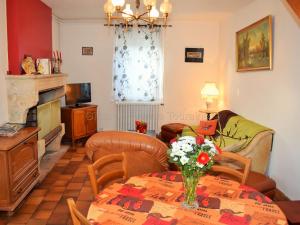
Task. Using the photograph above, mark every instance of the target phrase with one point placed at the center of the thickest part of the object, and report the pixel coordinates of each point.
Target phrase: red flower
(203, 158)
(199, 140)
(218, 149)
(173, 140)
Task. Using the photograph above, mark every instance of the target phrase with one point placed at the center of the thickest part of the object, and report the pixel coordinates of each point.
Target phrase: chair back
(240, 174)
(77, 217)
(94, 170)
(107, 142)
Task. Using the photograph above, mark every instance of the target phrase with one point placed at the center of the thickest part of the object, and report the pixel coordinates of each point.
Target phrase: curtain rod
(139, 25)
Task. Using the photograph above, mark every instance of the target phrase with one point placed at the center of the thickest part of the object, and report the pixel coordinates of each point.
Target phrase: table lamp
(209, 92)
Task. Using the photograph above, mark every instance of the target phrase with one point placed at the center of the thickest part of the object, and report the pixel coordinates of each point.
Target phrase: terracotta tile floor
(46, 204)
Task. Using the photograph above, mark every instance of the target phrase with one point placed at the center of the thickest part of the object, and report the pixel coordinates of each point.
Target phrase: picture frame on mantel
(194, 55)
(254, 46)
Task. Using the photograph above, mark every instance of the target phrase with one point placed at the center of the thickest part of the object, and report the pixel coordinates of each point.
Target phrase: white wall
(55, 33)
(271, 97)
(3, 63)
(183, 81)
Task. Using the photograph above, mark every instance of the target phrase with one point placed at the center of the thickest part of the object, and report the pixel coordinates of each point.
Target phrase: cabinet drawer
(24, 184)
(22, 159)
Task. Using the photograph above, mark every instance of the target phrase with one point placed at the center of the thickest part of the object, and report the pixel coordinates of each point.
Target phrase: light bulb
(109, 7)
(118, 3)
(166, 7)
(154, 13)
(128, 11)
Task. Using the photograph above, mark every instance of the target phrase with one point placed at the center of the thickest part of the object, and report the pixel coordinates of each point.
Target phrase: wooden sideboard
(80, 122)
(19, 171)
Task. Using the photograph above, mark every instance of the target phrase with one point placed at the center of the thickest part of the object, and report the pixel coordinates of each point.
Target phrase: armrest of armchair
(259, 150)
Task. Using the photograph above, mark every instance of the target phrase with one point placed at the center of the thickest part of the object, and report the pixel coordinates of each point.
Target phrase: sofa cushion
(207, 127)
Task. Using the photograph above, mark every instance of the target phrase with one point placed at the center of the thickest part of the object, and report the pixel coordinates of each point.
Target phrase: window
(138, 65)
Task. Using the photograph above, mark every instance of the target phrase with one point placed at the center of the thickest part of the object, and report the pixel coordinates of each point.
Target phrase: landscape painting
(254, 46)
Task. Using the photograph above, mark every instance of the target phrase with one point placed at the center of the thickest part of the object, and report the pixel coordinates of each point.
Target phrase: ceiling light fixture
(117, 15)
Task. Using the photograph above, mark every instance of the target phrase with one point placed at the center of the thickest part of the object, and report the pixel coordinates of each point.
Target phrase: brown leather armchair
(147, 154)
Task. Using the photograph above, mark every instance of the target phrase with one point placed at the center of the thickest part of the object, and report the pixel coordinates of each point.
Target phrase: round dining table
(156, 199)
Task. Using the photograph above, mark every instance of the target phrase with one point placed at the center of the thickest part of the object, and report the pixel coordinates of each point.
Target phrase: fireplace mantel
(23, 92)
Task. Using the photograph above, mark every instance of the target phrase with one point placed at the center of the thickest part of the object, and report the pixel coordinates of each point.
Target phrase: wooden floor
(46, 204)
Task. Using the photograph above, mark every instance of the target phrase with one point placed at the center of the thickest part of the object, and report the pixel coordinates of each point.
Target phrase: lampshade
(210, 90)
(166, 7)
(154, 13)
(118, 3)
(109, 7)
(128, 11)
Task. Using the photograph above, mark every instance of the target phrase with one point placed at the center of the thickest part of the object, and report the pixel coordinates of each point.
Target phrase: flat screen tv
(77, 94)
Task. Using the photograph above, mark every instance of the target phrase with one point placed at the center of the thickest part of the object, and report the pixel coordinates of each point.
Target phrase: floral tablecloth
(155, 199)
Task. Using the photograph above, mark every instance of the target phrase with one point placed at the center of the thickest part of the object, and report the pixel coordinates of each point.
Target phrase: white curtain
(138, 65)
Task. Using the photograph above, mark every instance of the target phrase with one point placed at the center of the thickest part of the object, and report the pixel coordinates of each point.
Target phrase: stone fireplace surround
(26, 92)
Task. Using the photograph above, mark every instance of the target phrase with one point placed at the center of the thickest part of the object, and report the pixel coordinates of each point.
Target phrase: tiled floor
(46, 204)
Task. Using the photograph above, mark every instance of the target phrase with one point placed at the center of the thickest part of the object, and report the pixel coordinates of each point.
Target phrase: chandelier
(117, 14)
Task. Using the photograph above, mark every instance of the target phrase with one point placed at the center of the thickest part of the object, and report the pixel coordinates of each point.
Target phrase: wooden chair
(77, 217)
(103, 179)
(240, 174)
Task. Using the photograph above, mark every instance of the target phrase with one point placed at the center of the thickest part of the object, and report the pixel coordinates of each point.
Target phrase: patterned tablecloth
(156, 199)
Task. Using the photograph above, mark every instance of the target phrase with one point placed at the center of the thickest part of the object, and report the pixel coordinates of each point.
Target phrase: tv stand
(80, 122)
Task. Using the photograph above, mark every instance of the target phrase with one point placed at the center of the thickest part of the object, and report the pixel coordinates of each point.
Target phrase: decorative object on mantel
(57, 61)
(125, 16)
(43, 66)
(209, 92)
(195, 55)
(254, 46)
(87, 51)
(28, 65)
(194, 156)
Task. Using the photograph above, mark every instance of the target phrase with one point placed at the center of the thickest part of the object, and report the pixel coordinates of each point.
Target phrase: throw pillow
(207, 127)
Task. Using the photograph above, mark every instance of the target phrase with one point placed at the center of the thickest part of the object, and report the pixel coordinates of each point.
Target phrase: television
(77, 94)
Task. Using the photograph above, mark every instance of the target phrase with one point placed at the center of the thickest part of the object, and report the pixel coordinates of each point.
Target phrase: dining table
(156, 199)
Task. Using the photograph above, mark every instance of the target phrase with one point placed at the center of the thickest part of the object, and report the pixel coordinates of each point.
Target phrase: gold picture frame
(254, 46)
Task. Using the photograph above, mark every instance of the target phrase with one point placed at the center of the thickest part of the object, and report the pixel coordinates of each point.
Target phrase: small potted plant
(141, 126)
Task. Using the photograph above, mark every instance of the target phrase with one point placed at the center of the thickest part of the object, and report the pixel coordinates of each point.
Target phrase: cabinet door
(91, 120)
(79, 124)
(22, 159)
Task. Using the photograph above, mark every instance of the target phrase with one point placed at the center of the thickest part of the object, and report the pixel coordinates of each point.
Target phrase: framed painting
(194, 55)
(87, 51)
(254, 46)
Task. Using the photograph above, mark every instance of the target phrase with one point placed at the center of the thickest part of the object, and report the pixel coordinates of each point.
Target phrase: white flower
(200, 165)
(175, 158)
(187, 148)
(184, 160)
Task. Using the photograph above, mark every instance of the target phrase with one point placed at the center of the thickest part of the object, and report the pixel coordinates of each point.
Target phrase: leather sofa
(148, 154)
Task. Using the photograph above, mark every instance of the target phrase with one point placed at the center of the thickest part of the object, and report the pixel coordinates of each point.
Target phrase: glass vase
(190, 182)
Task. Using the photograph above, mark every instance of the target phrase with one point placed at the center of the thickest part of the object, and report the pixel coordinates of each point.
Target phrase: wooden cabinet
(18, 167)
(80, 122)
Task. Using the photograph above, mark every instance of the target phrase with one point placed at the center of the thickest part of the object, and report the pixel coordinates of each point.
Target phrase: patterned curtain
(138, 65)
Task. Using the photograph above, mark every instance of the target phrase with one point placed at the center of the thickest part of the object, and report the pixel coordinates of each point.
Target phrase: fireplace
(34, 100)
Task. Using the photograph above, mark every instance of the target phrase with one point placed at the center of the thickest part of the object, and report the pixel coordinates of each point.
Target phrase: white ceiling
(93, 9)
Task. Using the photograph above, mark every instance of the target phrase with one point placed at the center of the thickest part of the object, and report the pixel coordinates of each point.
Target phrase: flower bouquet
(194, 156)
(141, 126)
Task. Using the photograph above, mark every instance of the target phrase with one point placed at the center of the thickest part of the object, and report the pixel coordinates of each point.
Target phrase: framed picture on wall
(194, 55)
(254, 46)
(87, 50)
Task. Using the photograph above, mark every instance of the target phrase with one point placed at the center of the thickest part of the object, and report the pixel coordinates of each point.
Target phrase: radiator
(128, 113)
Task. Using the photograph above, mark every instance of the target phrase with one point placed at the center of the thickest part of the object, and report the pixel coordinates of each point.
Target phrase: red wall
(29, 31)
